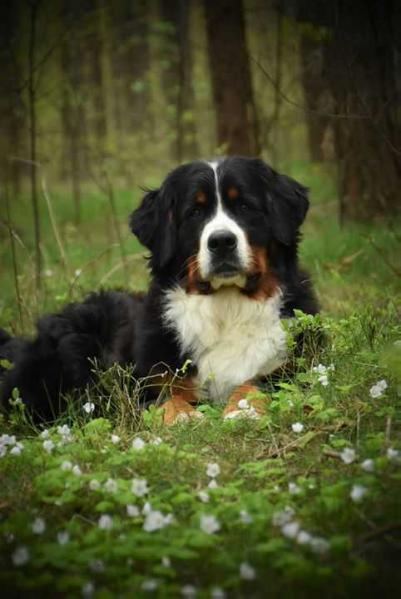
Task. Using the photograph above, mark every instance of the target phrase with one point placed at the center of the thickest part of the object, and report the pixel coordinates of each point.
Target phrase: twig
(14, 259)
(54, 224)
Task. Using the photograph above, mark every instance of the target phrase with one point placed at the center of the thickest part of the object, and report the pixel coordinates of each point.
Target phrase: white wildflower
(157, 441)
(166, 561)
(246, 571)
(393, 454)
(115, 439)
(156, 520)
(94, 485)
(245, 517)
(149, 585)
(217, 593)
(76, 470)
(304, 537)
(88, 589)
(110, 485)
(209, 524)
(147, 508)
(213, 470)
(293, 489)
(105, 522)
(17, 449)
(323, 380)
(65, 433)
(138, 443)
(7, 439)
(20, 556)
(45, 434)
(243, 404)
(358, 492)
(78, 272)
(66, 465)
(3, 451)
(378, 389)
(132, 510)
(38, 526)
(63, 537)
(368, 465)
(203, 496)
(96, 565)
(48, 445)
(139, 487)
(348, 455)
(297, 427)
(290, 530)
(284, 516)
(319, 545)
(213, 484)
(89, 407)
(188, 591)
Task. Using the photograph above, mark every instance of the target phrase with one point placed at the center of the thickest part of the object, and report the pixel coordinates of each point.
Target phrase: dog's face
(216, 224)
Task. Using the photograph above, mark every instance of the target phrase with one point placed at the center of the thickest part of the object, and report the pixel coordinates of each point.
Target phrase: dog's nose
(221, 242)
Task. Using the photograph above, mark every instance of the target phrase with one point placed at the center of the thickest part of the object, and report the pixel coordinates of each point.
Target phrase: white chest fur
(230, 337)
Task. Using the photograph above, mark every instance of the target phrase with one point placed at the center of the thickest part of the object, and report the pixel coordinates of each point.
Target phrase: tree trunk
(231, 78)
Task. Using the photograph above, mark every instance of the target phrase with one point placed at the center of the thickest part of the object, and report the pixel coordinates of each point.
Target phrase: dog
(223, 240)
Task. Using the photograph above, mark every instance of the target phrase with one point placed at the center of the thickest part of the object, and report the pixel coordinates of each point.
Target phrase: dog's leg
(242, 404)
(180, 406)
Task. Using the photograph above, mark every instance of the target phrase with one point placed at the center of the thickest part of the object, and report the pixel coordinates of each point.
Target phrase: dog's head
(220, 223)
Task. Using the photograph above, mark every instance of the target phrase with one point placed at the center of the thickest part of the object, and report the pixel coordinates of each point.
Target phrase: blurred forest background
(99, 98)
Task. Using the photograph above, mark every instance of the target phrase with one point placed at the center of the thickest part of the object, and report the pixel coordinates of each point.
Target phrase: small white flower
(38, 526)
(213, 484)
(393, 454)
(65, 432)
(48, 445)
(149, 585)
(88, 589)
(3, 451)
(323, 380)
(156, 520)
(358, 492)
(157, 441)
(348, 455)
(138, 443)
(132, 510)
(209, 524)
(304, 537)
(66, 465)
(76, 470)
(297, 427)
(188, 591)
(293, 489)
(245, 517)
(94, 485)
(213, 470)
(63, 537)
(78, 272)
(110, 485)
(368, 465)
(89, 407)
(243, 404)
(105, 522)
(247, 572)
(166, 561)
(45, 434)
(147, 508)
(217, 593)
(378, 389)
(7, 439)
(17, 449)
(283, 517)
(319, 545)
(290, 530)
(20, 556)
(139, 487)
(96, 565)
(115, 439)
(204, 497)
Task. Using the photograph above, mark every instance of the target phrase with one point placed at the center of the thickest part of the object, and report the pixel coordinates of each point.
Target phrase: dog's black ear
(153, 223)
(288, 205)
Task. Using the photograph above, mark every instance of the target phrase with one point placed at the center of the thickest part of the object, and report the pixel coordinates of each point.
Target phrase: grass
(51, 511)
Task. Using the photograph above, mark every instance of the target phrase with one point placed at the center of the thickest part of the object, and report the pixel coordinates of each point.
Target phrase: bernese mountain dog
(223, 239)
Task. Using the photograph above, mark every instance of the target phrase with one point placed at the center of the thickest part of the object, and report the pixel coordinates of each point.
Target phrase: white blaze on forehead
(221, 221)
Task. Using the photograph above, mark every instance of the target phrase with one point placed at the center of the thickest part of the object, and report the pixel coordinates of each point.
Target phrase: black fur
(112, 326)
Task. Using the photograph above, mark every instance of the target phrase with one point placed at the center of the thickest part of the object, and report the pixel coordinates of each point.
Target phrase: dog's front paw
(178, 410)
(241, 405)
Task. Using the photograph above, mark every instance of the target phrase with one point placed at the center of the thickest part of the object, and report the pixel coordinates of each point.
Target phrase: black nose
(221, 242)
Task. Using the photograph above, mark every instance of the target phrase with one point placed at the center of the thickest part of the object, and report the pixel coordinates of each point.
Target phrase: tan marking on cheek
(201, 197)
(232, 193)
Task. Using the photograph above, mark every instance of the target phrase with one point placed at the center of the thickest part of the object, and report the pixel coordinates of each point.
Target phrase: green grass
(260, 462)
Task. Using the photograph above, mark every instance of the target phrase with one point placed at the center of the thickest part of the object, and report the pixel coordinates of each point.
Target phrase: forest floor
(304, 502)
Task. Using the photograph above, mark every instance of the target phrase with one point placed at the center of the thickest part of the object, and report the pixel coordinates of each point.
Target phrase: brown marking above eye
(200, 197)
(232, 193)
